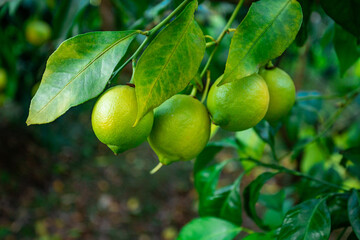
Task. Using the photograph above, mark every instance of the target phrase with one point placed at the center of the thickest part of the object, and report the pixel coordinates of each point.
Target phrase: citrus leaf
(336, 205)
(264, 34)
(354, 212)
(207, 179)
(209, 228)
(251, 196)
(346, 48)
(231, 207)
(308, 220)
(170, 61)
(76, 72)
(344, 13)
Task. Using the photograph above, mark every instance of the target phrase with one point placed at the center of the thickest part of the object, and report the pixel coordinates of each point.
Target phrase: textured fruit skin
(113, 117)
(181, 129)
(282, 93)
(240, 104)
(3, 79)
(37, 32)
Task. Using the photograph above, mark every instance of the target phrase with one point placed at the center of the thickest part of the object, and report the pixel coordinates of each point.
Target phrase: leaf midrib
(84, 69)
(311, 216)
(259, 37)
(166, 63)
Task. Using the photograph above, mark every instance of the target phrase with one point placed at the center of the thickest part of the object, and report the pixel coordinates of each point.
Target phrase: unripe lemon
(282, 93)
(37, 32)
(113, 117)
(240, 104)
(181, 129)
(3, 78)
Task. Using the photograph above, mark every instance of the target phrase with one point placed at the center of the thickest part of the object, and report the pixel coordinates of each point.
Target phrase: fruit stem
(221, 36)
(193, 91)
(157, 168)
(206, 87)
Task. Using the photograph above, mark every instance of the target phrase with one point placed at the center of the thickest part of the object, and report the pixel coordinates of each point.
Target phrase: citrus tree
(172, 102)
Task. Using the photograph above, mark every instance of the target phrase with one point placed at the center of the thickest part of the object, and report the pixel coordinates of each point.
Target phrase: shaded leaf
(308, 220)
(336, 205)
(207, 179)
(76, 72)
(354, 212)
(251, 196)
(231, 209)
(209, 228)
(344, 13)
(346, 48)
(303, 32)
(267, 30)
(210, 151)
(169, 62)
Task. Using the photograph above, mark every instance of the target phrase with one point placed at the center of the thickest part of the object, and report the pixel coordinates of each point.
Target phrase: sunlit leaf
(76, 72)
(209, 228)
(170, 62)
(264, 34)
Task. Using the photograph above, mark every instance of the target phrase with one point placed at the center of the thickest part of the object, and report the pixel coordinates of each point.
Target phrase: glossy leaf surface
(76, 72)
(264, 34)
(170, 61)
(354, 212)
(306, 221)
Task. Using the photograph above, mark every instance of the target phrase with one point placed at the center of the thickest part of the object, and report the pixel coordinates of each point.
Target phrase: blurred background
(57, 181)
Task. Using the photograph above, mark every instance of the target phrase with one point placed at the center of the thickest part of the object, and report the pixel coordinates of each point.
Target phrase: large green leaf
(345, 13)
(207, 179)
(264, 34)
(336, 204)
(231, 209)
(170, 62)
(209, 228)
(224, 202)
(307, 221)
(354, 212)
(252, 194)
(346, 47)
(76, 72)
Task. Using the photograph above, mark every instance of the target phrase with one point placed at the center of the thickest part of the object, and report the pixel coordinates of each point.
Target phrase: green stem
(193, 91)
(150, 34)
(206, 87)
(221, 36)
(294, 172)
(157, 168)
(168, 18)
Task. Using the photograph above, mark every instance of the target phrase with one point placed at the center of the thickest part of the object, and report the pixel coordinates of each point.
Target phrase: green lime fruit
(3, 79)
(282, 93)
(113, 117)
(240, 104)
(37, 32)
(181, 129)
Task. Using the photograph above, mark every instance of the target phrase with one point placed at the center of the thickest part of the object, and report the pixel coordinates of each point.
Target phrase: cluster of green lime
(179, 129)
